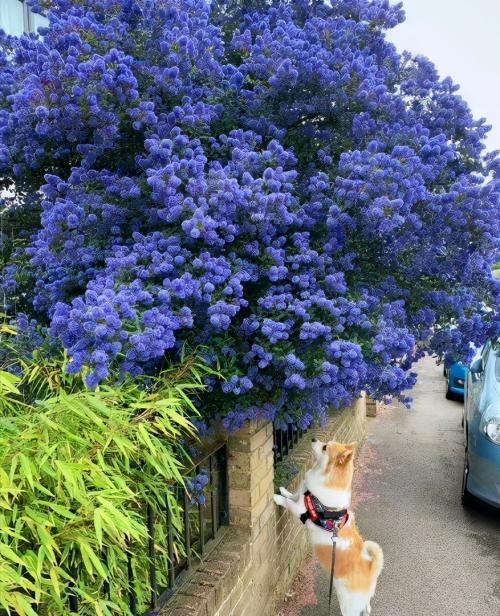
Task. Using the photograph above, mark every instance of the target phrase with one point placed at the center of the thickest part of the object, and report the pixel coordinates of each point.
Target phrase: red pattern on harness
(309, 503)
(331, 523)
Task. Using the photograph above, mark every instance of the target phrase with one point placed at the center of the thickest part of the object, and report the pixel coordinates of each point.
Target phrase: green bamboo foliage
(77, 471)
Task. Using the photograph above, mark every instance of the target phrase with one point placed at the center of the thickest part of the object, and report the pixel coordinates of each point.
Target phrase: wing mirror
(477, 366)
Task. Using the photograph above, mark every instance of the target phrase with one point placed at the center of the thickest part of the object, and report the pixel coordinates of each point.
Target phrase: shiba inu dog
(322, 503)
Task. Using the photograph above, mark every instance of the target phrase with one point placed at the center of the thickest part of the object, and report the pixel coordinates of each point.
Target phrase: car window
(486, 353)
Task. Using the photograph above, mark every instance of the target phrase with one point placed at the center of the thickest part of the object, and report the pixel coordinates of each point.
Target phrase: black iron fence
(201, 524)
(180, 547)
(285, 440)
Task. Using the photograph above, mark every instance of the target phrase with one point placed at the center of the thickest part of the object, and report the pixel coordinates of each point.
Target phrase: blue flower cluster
(195, 487)
(272, 184)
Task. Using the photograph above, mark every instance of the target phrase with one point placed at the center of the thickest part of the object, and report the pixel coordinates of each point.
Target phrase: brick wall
(252, 568)
(372, 407)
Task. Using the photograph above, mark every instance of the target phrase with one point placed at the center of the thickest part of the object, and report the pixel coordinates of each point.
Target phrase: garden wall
(253, 566)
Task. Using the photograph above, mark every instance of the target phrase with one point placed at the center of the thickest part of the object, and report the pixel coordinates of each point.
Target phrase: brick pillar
(251, 506)
(251, 474)
(372, 407)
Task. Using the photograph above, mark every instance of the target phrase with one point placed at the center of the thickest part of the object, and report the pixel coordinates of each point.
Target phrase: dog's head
(334, 463)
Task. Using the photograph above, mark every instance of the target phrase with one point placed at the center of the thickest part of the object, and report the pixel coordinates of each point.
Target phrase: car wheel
(467, 498)
(449, 394)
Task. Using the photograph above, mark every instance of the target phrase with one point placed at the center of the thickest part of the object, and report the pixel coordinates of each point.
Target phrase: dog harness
(329, 519)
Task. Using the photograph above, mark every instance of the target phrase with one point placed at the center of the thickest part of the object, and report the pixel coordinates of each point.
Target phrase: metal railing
(201, 524)
(200, 527)
(285, 440)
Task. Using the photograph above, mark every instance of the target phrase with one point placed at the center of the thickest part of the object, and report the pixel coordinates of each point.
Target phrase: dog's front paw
(279, 500)
(286, 493)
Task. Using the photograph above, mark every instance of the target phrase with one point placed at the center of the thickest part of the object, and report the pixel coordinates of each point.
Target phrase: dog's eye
(324, 447)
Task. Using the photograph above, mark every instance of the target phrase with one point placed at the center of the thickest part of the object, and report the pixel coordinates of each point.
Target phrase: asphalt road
(440, 560)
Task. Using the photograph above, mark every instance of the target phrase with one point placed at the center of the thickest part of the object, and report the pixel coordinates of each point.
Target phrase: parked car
(455, 375)
(481, 421)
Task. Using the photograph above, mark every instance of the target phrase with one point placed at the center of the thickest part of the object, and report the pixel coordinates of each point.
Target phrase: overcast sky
(462, 38)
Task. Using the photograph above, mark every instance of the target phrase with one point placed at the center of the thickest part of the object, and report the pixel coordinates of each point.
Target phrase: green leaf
(47, 542)
(92, 556)
(98, 525)
(38, 517)
(55, 581)
(60, 510)
(86, 560)
(8, 382)
(6, 552)
(97, 404)
(24, 606)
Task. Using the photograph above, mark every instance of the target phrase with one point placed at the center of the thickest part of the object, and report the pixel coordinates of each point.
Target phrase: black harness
(331, 520)
(324, 517)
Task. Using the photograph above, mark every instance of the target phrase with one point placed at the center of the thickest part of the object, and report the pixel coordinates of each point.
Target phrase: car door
(475, 388)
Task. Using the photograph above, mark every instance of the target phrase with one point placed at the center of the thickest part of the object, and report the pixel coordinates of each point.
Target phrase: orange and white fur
(357, 563)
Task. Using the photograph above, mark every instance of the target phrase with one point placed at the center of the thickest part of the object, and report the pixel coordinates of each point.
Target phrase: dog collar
(325, 517)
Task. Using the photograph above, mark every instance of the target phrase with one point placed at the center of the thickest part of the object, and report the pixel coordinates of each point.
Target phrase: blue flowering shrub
(271, 181)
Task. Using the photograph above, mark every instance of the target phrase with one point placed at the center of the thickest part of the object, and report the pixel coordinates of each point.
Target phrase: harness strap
(321, 516)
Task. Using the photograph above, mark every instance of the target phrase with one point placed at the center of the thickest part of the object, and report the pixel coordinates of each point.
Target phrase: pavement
(440, 559)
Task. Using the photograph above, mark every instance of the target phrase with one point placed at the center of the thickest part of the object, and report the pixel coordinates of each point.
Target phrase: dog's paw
(279, 500)
(286, 493)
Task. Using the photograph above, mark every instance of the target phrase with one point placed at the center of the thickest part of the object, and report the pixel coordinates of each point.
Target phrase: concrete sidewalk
(440, 560)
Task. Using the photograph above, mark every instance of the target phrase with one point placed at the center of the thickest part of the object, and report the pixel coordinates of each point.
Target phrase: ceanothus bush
(268, 182)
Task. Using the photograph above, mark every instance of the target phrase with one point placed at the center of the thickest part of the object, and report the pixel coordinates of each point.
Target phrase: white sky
(462, 39)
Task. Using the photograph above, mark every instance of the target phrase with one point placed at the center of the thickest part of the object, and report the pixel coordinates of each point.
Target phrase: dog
(325, 490)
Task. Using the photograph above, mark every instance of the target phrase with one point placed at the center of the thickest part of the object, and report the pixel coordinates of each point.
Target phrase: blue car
(455, 375)
(481, 421)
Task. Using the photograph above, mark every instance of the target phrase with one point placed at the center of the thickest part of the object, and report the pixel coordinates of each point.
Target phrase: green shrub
(77, 472)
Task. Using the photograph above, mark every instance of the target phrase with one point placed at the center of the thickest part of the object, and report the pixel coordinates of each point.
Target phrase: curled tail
(372, 551)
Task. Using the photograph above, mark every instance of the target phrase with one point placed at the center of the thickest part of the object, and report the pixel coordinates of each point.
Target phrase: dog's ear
(352, 445)
(346, 456)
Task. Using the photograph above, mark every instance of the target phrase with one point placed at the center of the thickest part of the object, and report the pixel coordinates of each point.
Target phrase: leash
(335, 533)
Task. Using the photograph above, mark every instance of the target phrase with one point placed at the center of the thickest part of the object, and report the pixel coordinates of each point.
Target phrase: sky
(462, 38)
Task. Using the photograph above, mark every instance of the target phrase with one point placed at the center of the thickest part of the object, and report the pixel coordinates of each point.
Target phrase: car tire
(466, 498)
(449, 394)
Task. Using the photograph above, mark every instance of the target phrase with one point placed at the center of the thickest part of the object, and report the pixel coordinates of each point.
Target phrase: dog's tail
(372, 551)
